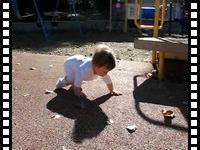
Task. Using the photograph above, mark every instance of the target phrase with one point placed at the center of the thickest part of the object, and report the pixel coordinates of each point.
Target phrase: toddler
(79, 68)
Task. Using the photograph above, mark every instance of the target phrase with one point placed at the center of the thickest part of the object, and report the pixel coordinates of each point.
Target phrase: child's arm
(77, 84)
(112, 91)
(109, 84)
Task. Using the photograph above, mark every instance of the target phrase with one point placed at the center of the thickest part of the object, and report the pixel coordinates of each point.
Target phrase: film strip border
(193, 122)
(6, 75)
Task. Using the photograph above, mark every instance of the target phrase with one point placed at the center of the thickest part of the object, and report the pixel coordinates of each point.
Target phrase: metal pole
(155, 31)
(110, 17)
(15, 9)
(41, 20)
(170, 18)
(125, 20)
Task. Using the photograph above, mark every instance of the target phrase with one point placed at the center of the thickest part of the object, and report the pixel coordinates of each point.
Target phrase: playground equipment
(158, 45)
(40, 21)
(156, 15)
(132, 7)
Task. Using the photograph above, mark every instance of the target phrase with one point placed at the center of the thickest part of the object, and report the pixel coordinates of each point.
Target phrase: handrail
(136, 15)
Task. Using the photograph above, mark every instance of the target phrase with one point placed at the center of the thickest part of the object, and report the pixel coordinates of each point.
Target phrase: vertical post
(110, 18)
(182, 18)
(170, 18)
(76, 16)
(125, 20)
(15, 9)
(41, 20)
(155, 31)
(161, 53)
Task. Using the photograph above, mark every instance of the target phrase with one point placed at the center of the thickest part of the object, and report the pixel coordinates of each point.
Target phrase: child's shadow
(89, 122)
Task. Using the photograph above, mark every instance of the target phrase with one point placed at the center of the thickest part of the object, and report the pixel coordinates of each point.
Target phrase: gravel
(68, 43)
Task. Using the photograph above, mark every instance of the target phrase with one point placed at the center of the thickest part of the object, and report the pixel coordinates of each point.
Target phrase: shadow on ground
(89, 122)
(162, 93)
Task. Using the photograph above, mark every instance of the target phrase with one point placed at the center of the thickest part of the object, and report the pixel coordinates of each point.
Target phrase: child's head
(103, 60)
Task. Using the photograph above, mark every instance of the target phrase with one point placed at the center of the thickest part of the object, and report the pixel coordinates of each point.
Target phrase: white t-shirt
(78, 68)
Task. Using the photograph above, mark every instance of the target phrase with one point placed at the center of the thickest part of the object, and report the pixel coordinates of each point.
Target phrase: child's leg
(61, 82)
(67, 79)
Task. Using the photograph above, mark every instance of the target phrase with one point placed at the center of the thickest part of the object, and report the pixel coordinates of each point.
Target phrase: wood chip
(49, 92)
(168, 113)
(32, 68)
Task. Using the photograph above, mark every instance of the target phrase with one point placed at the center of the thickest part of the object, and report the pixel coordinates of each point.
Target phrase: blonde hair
(103, 57)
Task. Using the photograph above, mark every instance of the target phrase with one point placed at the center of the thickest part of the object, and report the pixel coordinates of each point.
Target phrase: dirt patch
(67, 43)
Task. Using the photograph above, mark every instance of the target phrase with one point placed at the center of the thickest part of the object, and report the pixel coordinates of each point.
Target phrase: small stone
(131, 128)
(55, 116)
(154, 71)
(51, 66)
(110, 121)
(64, 148)
(17, 63)
(32, 68)
(120, 69)
(25, 95)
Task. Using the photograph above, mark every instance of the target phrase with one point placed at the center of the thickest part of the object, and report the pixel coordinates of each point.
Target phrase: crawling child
(79, 68)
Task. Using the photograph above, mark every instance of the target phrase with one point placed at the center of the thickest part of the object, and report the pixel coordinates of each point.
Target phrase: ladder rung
(146, 26)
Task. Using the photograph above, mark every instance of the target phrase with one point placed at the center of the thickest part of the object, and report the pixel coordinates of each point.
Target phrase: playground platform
(51, 121)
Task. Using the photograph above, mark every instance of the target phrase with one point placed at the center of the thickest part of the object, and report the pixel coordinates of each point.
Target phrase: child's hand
(116, 93)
